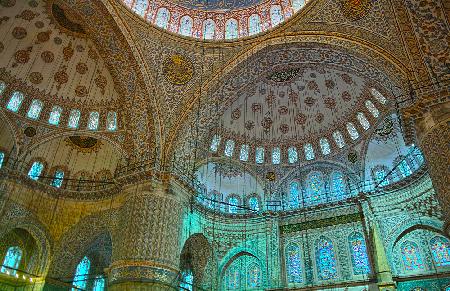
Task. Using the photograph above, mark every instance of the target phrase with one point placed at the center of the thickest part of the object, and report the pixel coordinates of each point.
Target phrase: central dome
(216, 19)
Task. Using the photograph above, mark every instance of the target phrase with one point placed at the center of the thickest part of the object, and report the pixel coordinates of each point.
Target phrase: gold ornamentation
(271, 176)
(355, 9)
(85, 144)
(178, 69)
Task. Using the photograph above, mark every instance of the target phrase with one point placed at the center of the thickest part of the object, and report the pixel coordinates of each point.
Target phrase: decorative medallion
(319, 117)
(346, 96)
(92, 54)
(61, 18)
(47, 56)
(36, 78)
(23, 56)
(8, 3)
(330, 84)
(310, 101)
(100, 81)
(61, 77)
(270, 99)
(271, 176)
(27, 14)
(81, 68)
(300, 119)
(256, 107)
(355, 9)
(79, 48)
(68, 51)
(4, 19)
(81, 91)
(284, 75)
(84, 144)
(283, 110)
(293, 97)
(19, 32)
(178, 69)
(330, 103)
(29, 131)
(347, 78)
(266, 123)
(313, 86)
(43, 36)
(235, 114)
(284, 128)
(57, 40)
(352, 157)
(249, 125)
(39, 24)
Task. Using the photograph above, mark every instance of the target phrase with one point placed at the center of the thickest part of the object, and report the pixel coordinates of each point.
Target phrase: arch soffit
(234, 253)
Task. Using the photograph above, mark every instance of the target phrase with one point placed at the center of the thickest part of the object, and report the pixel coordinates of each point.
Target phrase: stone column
(433, 135)
(147, 252)
(382, 268)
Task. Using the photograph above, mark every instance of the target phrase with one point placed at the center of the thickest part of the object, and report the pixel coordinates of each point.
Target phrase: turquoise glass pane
(404, 168)
(35, 109)
(2, 158)
(292, 155)
(74, 118)
(294, 198)
(187, 281)
(358, 250)
(81, 274)
(325, 260)
(93, 120)
(293, 263)
(12, 260)
(58, 179)
(111, 121)
(215, 143)
(253, 203)
(411, 257)
(232, 208)
(99, 284)
(55, 115)
(15, 101)
(315, 188)
(253, 276)
(35, 170)
(338, 185)
(440, 248)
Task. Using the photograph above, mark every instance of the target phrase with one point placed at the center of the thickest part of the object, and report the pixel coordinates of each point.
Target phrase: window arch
(254, 24)
(233, 203)
(186, 24)
(325, 146)
(378, 96)
(81, 274)
(412, 260)
(338, 139)
(215, 143)
(440, 248)
(74, 118)
(352, 131)
(55, 115)
(12, 260)
(358, 250)
(253, 276)
(231, 29)
(244, 273)
(243, 156)
(293, 264)
(15, 101)
(111, 121)
(372, 109)
(297, 4)
(276, 156)
(35, 109)
(276, 15)
(309, 152)
(325, 259)
(35, 170)
(162, 17)
(253, 203)
(315, 188)
(94, 117)
(99, 283)
(58, 178)
(187, 280)
(292, 155)
(363, 120)
(233, 278)
(229, 148)
(338, 186)
(294, 194)
(259, 155)
(209, 29)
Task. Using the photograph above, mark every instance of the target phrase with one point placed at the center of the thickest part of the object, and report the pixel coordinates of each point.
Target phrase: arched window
(233, 278)
(2, 158)
(358, 250)
(315, 188)
(253, 202)
(12, 260)
(309, 152)
(253, 276)
(231, 29)
(187, 280)
(243, 156)
(93, 120)
(229, 148)
(244, 273)
(254, 24)
(74, 118)
(325, 259)
(338, 185)
(99, 284)
(162, 17)
(111, 121)
(58, 179)
(378, 96)
(215, 143)
(276, 156)
(15, 101)
(55, 115)
(404, 169)
(209, 29)
(325, 146)
(293, 264)
(363, 120)
(186, 26)
(352, 131)
(259, 155)
(372, 109)
(2, 87)
(297, 4)
(440, 248)
(35, 109)
(411, 257)
(292, 155)
(276, 15)
(81, 274)
(294, 194)
(140, 7)
(233, 205)
(338, 139)
(35, 170)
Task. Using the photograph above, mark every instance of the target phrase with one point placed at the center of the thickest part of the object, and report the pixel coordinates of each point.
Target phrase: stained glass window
(292, 155)
(187, 280)
(93, 120)
(297, 4)
(315, 188)
(253, 276)
(186, 26)
(233, 203)
(162, 17)
(140, 7)
(74, 118)
(231, 29)
(440, 248)
(338, 139)
(233, 275)
(293, 264)
(55, 115)
(352, 131)
(378, 96)
(35, 109)
(363, 120)
(209, 29)
(325, 146)
(338, 185)
(15, 101)
(325, 260)
(243, 156)
(2, 158)
(380, 175)
(411, 257)
(276, 15)
(99, 284)
(259, 155)
(229, 148)
(372, 109)
(294, 197)
(253, 203)
(309, 152)
(404, 168)
(215, 143)
(276, 156)
(254, 24)
(111, 121)
(358, 250)
(35, 170)
(2, 87)
(58, 179)
(244, 273)
(12, 260)
(81, 274)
